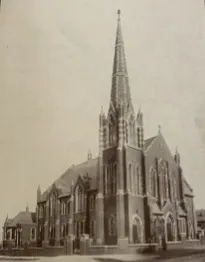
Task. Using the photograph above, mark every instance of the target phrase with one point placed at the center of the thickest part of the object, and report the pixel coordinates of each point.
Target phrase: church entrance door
(137, 230)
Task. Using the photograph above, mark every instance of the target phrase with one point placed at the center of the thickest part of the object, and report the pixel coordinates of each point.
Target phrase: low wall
(87, 249)
(140, 248)
(130, 249)
(184, 244)
(34, 252)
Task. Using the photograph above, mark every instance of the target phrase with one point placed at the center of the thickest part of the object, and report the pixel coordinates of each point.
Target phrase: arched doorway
(137, 230)
(170, 228)
(156, 230)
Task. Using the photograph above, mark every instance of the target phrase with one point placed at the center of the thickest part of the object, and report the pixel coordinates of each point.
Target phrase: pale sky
(55, 74)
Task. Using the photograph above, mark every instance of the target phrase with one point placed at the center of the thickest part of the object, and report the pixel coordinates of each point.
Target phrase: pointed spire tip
(159, 129)
(176, 150)
(119, 13)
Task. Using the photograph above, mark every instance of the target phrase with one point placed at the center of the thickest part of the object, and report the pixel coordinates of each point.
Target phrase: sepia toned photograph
(102, 130)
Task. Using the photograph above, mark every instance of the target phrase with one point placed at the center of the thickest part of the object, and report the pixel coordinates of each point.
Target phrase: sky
(56, 62)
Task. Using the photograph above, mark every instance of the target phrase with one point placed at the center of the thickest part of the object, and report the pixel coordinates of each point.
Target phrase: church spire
(120, 93)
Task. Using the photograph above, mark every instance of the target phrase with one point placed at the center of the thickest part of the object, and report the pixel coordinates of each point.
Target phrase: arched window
(106, 180)
(63, 208)
(67, 228)
(112, 225)
(138, 181)
(126, 131)
(112, 131)
(153, 182)
(109, 179)
(172, 186)
(164, 178)
(52, 205)
(68, 207)
(131, 131)
(114, 176)
(79, 199)
(138, 137)
(130, 177)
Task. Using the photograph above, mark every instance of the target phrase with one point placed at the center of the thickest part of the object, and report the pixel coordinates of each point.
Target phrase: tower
(118, 146)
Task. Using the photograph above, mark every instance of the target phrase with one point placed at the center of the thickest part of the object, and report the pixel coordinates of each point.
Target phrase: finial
(27, 208)
(139, 112)
(118, 12)
(176, 150)
(102, 111)
(159, 129)
(89, 155)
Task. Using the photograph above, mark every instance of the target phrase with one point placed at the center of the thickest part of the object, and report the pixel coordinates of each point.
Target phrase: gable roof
(23, 217)
(63, 183)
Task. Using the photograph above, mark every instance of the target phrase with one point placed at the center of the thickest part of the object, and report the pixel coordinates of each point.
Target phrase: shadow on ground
(161, 256)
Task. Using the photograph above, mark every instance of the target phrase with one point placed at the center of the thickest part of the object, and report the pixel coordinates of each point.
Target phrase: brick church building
(133, 192)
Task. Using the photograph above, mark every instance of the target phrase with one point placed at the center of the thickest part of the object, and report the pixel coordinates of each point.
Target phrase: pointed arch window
(131, 131)
(126, 132)
(105, 180)
(68, 207)
(138, 138)
(41, 212)
(79, 199)
(52, 205)
(130, 173)
(153, 182)
(164, 178)
(110, 179)
(63, 208)
(114, 176)
(112, 131)
(172, 186)
(138, 181)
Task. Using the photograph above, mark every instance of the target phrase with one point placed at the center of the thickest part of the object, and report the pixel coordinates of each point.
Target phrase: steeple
(120, 92)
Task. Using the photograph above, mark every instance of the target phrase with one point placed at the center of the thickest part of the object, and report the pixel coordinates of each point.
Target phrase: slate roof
(200, 215)
(23, 217)
(180, 211)
(148, 142)
(187, 188)
(63, 183)
(155, 209)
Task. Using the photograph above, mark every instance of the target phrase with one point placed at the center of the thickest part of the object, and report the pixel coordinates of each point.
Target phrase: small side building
(20, 230)
(200, 216)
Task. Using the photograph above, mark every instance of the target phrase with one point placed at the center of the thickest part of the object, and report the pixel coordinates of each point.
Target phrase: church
(134, 192)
